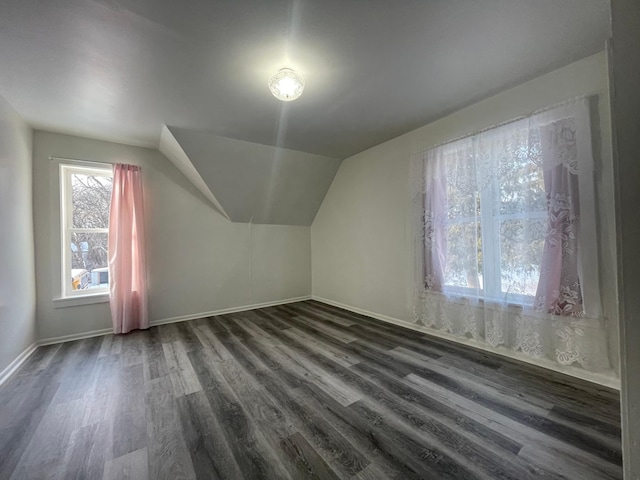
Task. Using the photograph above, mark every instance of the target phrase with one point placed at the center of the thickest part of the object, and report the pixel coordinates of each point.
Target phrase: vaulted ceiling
(194, 73)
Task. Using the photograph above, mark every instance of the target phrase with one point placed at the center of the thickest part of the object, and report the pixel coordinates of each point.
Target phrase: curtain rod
(507, 122)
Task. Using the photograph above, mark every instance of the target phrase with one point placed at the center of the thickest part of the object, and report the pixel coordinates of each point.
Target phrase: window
(503, 219)
(505, 241)
(85, 196)
(496, 215)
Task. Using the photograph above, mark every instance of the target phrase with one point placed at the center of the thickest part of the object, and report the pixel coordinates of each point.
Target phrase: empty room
(319, 239)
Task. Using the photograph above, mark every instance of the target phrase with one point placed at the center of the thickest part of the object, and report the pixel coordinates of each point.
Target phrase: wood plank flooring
(299, 391)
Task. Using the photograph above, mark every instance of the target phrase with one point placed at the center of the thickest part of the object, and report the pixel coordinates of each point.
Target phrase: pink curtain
(559, 290)
(127, 265)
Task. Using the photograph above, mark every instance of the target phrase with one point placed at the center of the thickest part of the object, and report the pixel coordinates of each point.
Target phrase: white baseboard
(223, 311)
(13, 366)
(163, 321)
(19, 360)
(74, 336)
(599, 378)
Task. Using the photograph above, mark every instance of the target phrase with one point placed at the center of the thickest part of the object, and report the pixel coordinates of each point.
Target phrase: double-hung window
(496, 215)
(505, 238)
(503, 217)
(85, 196)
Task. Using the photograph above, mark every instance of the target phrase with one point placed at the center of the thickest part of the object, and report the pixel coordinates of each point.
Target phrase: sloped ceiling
(374, 69)
(249, 182)
(171, 149)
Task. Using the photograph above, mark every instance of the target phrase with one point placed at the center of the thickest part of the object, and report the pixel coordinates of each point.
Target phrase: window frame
(584, 111)
(491, 252)
(66, 170)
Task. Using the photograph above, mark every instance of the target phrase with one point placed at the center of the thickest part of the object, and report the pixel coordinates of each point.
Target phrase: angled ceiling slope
(171, 149)
(249, 182)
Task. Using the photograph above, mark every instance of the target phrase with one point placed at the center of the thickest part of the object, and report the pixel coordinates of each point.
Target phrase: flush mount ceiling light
(286, 85)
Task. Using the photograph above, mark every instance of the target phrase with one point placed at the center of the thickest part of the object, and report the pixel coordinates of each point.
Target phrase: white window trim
(88, 299)
(491, 280)
(589, 250)
(491, 272)
(78, 297)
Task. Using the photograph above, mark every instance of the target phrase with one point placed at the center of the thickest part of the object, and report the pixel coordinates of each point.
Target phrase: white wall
(625, 73)
(17, 279)
(360, 236)
(198, 261)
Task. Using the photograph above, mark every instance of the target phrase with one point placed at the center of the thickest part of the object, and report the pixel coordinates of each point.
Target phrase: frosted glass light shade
(286, 85)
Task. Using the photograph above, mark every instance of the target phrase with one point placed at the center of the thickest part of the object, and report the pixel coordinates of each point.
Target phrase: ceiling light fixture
(286, 85)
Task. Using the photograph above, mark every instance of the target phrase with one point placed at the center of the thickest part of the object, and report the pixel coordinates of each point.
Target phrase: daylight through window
(496, 215)
(85, 201)
(504, 219)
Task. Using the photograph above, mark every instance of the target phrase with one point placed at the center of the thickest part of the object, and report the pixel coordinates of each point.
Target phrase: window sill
(81, 300)
(514, 300)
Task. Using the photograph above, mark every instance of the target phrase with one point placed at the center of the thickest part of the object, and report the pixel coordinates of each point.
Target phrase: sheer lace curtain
(505, 242)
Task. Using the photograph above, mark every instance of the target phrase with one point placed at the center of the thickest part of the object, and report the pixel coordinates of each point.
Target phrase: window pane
(520, 174)
(521, 244)
(91, 196)
(89, 260)
(464, 257)
(462, 188)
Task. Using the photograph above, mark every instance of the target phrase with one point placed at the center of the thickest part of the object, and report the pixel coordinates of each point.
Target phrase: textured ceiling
(120, 69)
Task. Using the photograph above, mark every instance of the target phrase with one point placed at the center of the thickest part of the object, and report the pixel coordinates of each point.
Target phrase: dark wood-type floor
(298, 391)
